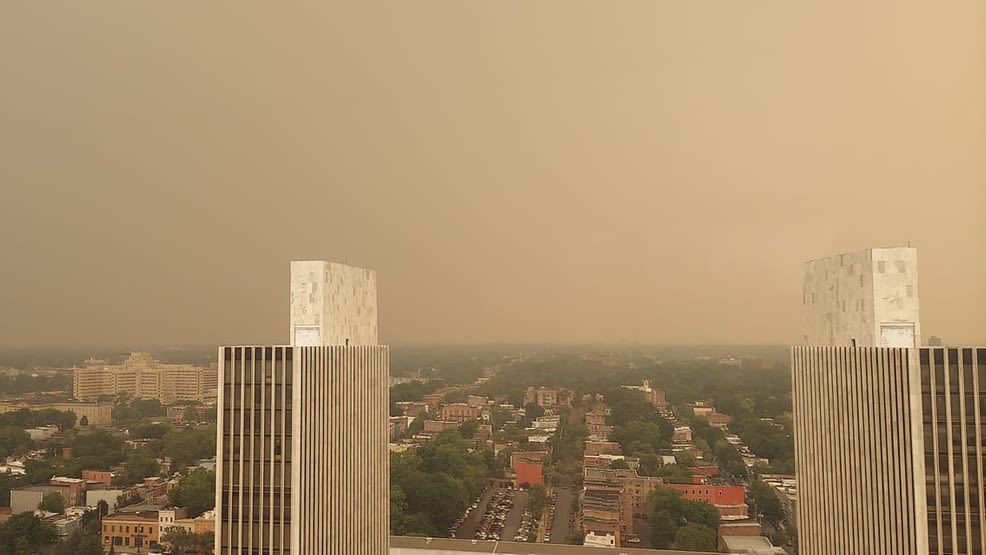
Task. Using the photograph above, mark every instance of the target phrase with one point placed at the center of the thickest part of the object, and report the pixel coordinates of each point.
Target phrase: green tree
(80, 542)
(468, 428)
(53, 503)
(649, 465)
(14, 441)
(140, 464)
(190, 414)
(196, 492)
(672, 512)
(182, 541)
(537, 499)
(533, 410)
(186, 446)
(439, 480)
(149, 431)
(695, 537)
(675, 474)
(398, 512)
(766, 501)
(25, 534)
(663, 529)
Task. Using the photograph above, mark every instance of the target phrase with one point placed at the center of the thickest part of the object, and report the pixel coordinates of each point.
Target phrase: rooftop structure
(332, 304)
(303, 428)
(867, 298)
(889, 441)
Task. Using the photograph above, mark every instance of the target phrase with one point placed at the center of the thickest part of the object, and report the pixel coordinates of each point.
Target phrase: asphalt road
(561, 526)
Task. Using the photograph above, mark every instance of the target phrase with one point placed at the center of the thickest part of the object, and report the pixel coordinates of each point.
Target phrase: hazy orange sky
(652, 171)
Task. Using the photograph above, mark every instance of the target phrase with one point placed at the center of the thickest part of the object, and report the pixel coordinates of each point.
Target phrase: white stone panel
(855, 296)
(332, 304)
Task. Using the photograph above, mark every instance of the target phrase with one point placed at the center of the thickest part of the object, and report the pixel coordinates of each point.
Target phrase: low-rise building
(719, 420)
(750, 545)
(541, 396)
(171, 518)
(438, 426)
(527, 466)
(653, 396)
(92, 414)
(128, 532)
(681, 434)
(205, 522)
(603, 447)
(108, 494)
(75, 492)
(730, 501)
(98, 476)
(27, 498)
(67, 525)
(458, 412)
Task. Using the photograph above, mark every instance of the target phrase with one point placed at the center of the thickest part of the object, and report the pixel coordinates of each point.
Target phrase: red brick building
(730, 501)
(528, 467)
(101, 476)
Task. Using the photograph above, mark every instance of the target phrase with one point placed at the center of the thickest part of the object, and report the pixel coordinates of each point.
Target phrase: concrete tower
(302, 465)
(870, 297)
(889, 437)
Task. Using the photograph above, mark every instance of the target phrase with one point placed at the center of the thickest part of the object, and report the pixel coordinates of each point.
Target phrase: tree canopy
(433, 485)
(196, 492)
(25, 534)
(53, 503)
(672, 513)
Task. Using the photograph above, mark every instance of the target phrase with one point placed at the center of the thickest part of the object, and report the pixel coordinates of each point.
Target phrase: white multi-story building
(142, 377)
(868, 297)
(302, 463)
(889, 437)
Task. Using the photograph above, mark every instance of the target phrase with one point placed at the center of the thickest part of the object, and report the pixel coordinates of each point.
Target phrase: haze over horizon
(563, 172)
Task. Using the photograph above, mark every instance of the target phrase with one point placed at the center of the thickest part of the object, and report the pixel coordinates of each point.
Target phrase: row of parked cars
(551, 516)
(526, 523)
(492, 521)
(454, 530)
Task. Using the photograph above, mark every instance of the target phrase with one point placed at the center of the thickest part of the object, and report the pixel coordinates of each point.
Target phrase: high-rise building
(889, 437)
(870, 297)
(302, 465)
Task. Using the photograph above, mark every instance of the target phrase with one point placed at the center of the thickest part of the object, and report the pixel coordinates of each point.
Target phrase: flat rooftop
(407, 545)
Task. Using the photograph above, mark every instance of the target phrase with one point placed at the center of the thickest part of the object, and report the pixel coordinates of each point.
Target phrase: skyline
(513, 173)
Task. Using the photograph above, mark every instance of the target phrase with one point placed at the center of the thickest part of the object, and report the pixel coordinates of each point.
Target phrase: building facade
(870, 297)
(131, 532)
(302, 466)
(142, 377)
(889, 440)
(94, 414)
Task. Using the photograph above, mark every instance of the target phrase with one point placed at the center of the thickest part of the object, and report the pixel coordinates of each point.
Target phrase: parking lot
(497, 513)
(467, 529)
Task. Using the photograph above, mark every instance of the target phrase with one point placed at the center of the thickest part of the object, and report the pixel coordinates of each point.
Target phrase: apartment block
(142, 377)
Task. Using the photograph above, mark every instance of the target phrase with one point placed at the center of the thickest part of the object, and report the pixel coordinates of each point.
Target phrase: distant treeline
(30, 359)
(16, 385)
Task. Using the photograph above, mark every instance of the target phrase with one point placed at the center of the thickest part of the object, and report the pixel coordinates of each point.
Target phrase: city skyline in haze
(514, 173)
